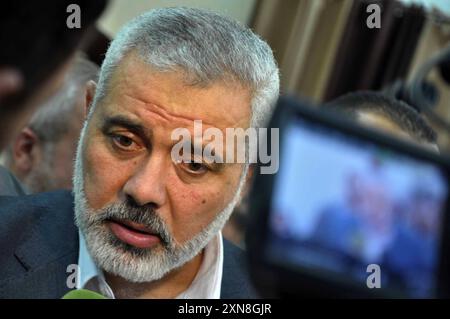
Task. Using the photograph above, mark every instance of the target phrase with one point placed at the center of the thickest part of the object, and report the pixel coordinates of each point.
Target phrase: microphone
(83, 294)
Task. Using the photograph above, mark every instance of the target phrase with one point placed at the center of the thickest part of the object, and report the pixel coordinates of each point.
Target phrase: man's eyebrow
(129, 124)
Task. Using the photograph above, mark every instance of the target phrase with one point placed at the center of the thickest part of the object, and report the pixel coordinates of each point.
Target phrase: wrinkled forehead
(137, 87)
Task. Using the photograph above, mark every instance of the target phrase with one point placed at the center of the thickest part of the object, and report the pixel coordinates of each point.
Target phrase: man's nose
(148, 183)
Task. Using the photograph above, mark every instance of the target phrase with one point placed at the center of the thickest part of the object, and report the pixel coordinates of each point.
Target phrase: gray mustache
(140, 215)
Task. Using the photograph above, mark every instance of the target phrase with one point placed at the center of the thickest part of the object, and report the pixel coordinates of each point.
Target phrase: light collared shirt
(206, 284)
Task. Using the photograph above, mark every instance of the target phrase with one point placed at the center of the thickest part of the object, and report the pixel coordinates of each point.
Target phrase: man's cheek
(102, 177)
(194, 211)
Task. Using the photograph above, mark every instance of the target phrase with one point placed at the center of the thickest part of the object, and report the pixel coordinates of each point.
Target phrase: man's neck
(170, 286)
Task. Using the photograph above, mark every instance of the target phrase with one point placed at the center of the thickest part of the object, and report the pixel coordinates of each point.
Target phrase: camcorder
(351, 212)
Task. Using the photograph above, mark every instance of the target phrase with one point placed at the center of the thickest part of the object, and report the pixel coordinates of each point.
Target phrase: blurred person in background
(360, 225)
(37, 47)
(388, 115)
(42, 154)
(412, 256)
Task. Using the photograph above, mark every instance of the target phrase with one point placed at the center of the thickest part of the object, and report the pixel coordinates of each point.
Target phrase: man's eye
(124, 142)
(196, 168)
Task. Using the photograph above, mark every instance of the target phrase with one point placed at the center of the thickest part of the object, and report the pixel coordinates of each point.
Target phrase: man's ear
(91, 87)
(24, 151)
(11, 82)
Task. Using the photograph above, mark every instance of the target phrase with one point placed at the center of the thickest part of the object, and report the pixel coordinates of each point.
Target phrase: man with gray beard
(42, 154)
(147, 225)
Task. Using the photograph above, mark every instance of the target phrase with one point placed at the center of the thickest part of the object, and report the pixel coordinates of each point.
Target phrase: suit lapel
(50, 247)
(236, 282)
(52, 237)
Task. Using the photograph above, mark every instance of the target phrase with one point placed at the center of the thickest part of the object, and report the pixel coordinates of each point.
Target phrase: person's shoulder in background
(9, 184)
(19, 213)
(24, 217)
(38, 240)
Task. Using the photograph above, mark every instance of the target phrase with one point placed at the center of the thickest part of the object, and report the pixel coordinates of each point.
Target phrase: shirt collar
(206, 284)
(87, 267)
(89, 275)
(208, 281)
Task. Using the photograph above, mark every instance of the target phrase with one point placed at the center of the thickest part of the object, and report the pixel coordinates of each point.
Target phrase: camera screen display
(345, 208)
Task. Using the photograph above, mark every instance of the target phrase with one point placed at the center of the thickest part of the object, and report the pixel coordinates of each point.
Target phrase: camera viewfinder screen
(347, 208)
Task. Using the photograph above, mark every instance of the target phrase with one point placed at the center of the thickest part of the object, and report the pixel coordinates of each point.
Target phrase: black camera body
(351, 213)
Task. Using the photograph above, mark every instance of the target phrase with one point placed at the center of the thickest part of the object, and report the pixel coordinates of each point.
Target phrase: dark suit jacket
(9, 185)
(38, 240)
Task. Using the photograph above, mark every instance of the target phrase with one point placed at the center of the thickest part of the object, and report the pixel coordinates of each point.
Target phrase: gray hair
(50, 122)
(206, 46)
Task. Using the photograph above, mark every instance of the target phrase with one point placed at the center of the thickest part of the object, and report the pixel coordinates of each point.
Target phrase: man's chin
(134, 264)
